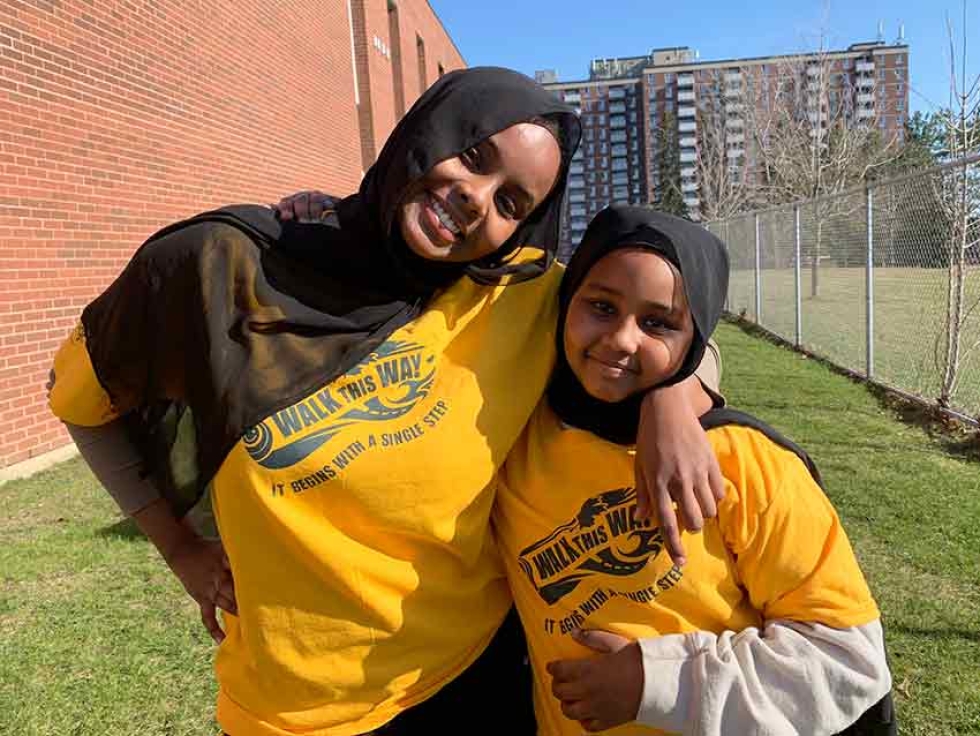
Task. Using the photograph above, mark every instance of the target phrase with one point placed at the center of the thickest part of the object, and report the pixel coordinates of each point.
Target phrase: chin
(604, 393)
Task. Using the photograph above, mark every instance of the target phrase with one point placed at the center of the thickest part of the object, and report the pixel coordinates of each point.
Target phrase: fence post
(728, 247)
(797, 276)
(758, 273)
(869, 287)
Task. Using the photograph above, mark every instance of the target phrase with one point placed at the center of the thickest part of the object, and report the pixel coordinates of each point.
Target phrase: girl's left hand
(676, 463)
(604, 691)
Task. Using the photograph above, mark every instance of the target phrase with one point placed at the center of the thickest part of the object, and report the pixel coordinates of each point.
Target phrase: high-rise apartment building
(627, 105)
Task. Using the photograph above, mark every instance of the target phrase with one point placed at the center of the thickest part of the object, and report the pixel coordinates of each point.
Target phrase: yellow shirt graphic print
(380, 392)
(604, 541)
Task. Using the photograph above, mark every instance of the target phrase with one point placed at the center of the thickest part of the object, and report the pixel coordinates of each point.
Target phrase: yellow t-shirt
(357, 520)
(577, 556)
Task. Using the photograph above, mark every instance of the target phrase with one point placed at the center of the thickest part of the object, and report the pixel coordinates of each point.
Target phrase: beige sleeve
(709, 372)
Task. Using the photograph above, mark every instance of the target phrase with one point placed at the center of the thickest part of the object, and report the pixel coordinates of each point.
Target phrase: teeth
(444, 218)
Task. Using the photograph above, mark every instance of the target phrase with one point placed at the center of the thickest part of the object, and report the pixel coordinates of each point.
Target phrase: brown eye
(471, 158)
(507, 207)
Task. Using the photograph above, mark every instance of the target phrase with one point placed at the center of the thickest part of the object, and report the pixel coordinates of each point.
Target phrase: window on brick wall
(397, 75)
(420, 48)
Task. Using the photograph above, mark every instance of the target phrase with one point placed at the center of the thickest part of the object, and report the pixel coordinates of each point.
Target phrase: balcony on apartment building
(735, 138)
(733, 75)
(814, 70)
(732, 91)
(617, 121)
(734, 108)
(688, 172)
(573, 98)
(865, 82)
(731, 123)
(686, 95)
(863, 67)
(865, 98)
(617, 93)
(688, 141)
(689, 186)
(617, 107)
(863, 113)
(687, 126)
(688, 157)
(686, 111)
(733, 153)
(685, 80)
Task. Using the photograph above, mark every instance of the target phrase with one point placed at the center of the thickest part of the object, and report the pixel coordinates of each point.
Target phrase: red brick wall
(377, 66)
(117, 118)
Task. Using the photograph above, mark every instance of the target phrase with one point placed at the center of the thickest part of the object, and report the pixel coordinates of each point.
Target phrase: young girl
(770, 627)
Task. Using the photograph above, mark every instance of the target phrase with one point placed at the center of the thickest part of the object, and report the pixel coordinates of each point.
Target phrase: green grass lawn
(97, 639)
(909, 317)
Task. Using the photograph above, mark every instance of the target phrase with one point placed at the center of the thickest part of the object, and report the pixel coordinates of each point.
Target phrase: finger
(604, 642)
(285, 209)
(706, 499)
(317, 208)
(566, 670)
(568, 690)
(717, 482)
(642, 491)
(668, 525)
(210, 620)
(576, 710)
(688, 505)
(303, 207)
(225, 598)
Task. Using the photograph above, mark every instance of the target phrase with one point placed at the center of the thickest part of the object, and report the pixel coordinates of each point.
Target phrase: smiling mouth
(616, 368)
(443, 218)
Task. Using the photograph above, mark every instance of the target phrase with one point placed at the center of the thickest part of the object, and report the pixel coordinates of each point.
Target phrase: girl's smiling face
(466, 207)
(628, 326)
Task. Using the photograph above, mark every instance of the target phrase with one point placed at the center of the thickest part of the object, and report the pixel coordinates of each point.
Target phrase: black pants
(492, 696)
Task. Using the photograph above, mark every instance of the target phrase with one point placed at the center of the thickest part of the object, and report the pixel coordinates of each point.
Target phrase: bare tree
(960, 197)
(816, 134)
(727, 181)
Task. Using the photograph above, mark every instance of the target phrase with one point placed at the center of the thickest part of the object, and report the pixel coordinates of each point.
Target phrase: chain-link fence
(883, 280)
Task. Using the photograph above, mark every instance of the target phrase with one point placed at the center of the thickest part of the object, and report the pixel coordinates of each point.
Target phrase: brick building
(117, 118)
(627, 101)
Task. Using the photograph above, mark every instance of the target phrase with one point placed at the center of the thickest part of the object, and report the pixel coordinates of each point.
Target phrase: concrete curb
(34, 465)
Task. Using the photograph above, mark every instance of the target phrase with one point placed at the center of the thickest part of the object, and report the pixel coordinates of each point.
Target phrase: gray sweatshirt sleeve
(116, 463)
(788, 678)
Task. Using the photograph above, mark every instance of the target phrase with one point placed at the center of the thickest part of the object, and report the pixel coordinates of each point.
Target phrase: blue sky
(547, 34)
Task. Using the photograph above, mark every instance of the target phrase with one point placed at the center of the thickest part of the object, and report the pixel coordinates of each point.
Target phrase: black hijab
(702, 261)
(235, 315)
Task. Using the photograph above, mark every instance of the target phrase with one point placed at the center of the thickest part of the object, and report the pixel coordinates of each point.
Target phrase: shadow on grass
(945, 634)
(123, 529)
(956, 437)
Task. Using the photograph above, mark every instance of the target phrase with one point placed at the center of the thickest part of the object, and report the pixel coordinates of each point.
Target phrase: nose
(475, 197)
(624, 337)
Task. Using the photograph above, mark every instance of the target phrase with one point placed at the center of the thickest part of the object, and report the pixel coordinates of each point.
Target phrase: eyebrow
(659, 306)
(528, 200)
